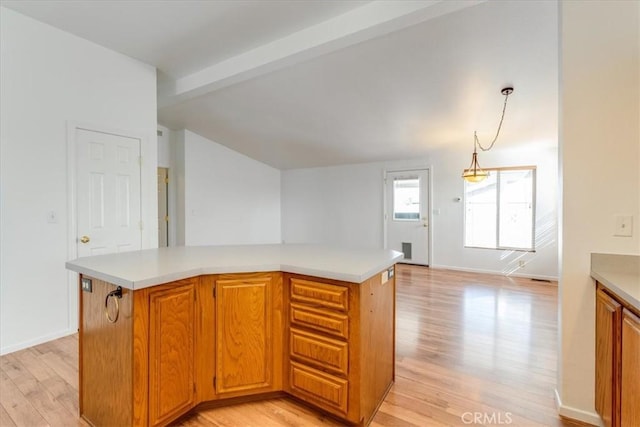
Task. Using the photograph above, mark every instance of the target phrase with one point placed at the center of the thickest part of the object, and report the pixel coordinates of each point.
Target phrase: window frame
(534, 171)
(393, 198)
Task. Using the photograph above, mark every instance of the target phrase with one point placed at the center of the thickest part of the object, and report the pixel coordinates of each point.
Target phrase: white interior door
(407, 214)
(107, 193)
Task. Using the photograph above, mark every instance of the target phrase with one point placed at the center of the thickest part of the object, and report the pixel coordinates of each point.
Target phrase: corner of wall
(576, 414)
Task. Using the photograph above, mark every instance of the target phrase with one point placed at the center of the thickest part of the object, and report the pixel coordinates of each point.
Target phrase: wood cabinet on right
(630, 382)
(617, 361)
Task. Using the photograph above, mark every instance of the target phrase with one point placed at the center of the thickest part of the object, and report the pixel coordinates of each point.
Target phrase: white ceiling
(314, 83)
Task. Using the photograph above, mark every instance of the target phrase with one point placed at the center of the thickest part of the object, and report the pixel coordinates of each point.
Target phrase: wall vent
(406, 249)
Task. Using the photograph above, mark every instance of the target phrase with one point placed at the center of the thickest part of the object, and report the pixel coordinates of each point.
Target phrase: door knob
(85, 239)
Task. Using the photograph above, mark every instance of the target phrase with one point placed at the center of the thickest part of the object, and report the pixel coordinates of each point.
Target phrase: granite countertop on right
(619, 273)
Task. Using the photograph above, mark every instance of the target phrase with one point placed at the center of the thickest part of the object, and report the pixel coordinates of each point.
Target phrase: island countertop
(149, 267)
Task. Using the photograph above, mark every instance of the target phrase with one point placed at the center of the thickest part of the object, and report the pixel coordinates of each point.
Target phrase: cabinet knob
(85, 239)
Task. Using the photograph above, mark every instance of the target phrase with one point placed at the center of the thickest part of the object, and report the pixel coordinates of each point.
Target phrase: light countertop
(619, 273)
(149, 267)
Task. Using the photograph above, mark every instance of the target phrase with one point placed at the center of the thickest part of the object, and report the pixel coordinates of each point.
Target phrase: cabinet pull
(117, 294)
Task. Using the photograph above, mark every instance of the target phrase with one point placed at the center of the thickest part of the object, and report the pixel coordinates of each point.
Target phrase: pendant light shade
(475, 173)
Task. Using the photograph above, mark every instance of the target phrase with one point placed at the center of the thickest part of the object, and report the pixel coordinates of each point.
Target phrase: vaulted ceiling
(314, 83)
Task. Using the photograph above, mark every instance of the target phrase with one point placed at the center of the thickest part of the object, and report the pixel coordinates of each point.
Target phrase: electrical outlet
(384, 277)
(87, 286)
(624, 226)
(521, 263)
(52, 217)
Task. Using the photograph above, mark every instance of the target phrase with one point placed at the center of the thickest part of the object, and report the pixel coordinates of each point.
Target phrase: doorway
(163, 207)
(406, 217)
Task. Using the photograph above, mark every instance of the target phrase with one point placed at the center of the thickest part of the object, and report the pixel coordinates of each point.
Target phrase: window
(500, 211)
(406, 199)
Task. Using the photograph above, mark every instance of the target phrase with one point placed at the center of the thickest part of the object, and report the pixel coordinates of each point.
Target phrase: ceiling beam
(363, 23)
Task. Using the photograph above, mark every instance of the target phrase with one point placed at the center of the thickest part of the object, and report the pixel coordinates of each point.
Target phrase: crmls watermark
(487, 418)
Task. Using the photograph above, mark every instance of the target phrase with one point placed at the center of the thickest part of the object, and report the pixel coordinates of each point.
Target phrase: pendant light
(474, 173)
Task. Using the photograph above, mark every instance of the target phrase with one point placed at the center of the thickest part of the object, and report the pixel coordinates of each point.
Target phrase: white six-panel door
(107, 193)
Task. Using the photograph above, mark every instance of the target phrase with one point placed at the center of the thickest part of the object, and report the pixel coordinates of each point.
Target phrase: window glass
(406, 199)
(516, 209)
(499, 211)
(480, 213)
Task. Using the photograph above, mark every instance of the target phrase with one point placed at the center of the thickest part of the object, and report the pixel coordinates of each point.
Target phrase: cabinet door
(171, 352)
(630, 370)
(608, 313)
(243, 334)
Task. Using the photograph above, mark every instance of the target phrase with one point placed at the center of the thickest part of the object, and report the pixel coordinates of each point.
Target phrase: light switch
(624, 226)
(52, 217)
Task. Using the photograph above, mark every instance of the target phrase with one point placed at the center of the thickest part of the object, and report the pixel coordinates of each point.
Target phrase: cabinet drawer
(326, 353)
(320, 294)
(321, 320)
(323, 389)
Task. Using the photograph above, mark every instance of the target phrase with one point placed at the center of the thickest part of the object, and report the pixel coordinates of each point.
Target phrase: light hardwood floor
(471, 350)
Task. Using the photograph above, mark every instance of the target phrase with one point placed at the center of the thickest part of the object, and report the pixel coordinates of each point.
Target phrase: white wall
(339, 205)
(600, 162)
(343, 205)
(165, 155)
(228, 198)
(47, 78)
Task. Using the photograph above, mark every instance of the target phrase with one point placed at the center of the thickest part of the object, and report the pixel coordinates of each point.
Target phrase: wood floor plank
(63, 392)
(40, 370)
(17, 405)
(64, 370)
(5, 419)
(50, 408)
(466, 345)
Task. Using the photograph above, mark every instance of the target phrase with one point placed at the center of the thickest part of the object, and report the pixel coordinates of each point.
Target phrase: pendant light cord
(506, 93)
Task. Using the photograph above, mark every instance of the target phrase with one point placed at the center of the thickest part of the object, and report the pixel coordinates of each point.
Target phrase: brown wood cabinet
(617, 360)
(137, 368)
(231, 336)
(341, 341)
(608, 313)
(630, 369)
(171, 352)
(243, 334)
(239, 335)
(318, 360)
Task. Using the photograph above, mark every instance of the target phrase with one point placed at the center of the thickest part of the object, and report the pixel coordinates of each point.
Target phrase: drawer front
(327, 391)
(321, 320)
(325, 353)
(320, 294)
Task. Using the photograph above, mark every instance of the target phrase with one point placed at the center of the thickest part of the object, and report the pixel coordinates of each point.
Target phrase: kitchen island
(165, 331)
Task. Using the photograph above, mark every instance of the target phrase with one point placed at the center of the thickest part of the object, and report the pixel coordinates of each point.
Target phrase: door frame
(385, 205)
(72, 220)
(168, 204)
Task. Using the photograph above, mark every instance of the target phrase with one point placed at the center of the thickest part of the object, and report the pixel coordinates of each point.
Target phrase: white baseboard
(30, 343)
(499, 273)
(577, 414)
